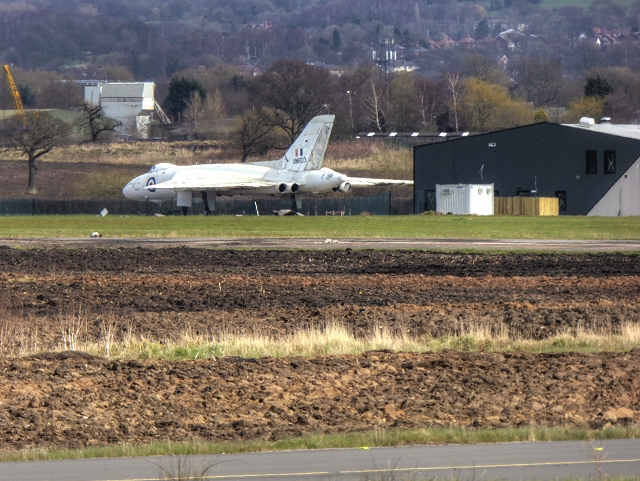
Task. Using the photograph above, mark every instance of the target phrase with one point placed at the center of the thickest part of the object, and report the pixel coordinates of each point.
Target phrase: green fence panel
(381, 204)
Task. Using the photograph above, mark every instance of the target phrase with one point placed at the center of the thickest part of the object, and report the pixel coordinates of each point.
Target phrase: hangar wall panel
(623, 198)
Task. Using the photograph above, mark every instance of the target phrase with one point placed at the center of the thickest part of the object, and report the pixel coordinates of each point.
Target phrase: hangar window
(592, 161)
(609, 161)
(562, 200)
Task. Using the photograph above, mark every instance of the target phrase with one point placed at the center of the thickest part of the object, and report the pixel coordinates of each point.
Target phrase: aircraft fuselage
(308, 182)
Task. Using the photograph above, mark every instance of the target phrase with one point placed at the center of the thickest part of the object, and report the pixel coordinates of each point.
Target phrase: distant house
(333, 69)
(502, 60)
(417, 51)
(604, 38)
(264, 25)
(444, 43)
(250, 70)
(131, 103)
(403, 66)
(467, 41)
(509, 39)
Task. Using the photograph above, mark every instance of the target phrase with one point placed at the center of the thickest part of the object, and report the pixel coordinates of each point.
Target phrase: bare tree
(195, 112)
(456, 94)
(252, 135)
(292, 93)
(205, 114)
(35, 134)
(373, 103)
(426, 95)
(542, 80)
(354, 85)
(93, 121)
(216, 110)
(478, 66)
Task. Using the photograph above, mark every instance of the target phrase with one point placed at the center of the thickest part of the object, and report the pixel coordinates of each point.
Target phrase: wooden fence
(525, 206)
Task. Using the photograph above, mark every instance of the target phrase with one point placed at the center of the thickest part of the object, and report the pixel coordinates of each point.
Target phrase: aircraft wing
(364, 182)
(211, 180)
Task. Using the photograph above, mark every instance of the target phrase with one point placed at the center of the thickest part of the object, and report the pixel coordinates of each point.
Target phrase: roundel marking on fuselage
(151, 181)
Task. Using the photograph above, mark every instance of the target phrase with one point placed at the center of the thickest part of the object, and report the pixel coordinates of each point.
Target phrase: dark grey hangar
(592, 168)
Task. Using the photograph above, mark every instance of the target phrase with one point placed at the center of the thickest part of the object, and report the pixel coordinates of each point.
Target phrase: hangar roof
(621, 130)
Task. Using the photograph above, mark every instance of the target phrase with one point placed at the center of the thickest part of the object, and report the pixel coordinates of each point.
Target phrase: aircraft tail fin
(307, 151)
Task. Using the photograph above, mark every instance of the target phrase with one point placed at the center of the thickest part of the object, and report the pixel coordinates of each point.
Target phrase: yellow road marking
(371, 471)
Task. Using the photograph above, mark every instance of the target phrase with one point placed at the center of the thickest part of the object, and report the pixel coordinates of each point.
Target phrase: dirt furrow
(73, 401)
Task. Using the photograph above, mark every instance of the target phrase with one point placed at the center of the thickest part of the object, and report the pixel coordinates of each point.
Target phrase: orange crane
(17, 102)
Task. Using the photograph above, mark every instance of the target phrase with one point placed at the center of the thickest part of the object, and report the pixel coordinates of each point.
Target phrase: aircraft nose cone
(128, 190)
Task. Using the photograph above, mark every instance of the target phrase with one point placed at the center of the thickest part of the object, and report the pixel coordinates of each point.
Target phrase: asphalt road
(423, 244)
(512, 461)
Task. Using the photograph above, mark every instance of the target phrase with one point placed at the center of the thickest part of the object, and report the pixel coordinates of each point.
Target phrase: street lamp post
(350, 107)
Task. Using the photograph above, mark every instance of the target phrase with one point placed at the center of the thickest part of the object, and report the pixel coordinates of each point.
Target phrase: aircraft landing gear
(185, 210)
(207, 211)
(296, 204)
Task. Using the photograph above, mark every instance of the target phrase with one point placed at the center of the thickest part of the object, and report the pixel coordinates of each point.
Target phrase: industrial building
(132, 103)
(593, 169)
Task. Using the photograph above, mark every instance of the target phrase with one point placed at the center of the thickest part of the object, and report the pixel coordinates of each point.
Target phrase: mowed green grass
(412, 226)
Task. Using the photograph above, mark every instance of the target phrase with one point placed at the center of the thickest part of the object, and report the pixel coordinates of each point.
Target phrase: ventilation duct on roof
(587, 121)
(605, 120)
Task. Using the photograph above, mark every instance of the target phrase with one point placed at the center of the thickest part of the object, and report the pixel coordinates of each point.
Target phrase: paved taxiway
(422, 244)
(512, 461)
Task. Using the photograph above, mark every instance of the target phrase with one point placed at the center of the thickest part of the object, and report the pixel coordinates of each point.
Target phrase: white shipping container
(464, 199)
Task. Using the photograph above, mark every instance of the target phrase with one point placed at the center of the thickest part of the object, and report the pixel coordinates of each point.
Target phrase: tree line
(270, 110)
(156, 39)
(481, 96)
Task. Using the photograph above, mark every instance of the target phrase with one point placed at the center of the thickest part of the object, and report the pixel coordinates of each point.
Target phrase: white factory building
(132, 103)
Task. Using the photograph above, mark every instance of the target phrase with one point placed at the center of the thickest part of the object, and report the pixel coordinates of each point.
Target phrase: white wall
(623, 198)
(123, 101)
(464, 199)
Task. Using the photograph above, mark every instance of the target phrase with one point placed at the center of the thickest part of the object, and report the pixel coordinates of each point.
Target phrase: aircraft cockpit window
(158, 167)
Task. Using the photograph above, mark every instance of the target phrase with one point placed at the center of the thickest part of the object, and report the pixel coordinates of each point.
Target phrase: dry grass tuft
(105, 334)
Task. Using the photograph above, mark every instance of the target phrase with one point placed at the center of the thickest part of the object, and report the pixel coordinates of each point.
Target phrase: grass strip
(335, 339)
(331, 339)
(377, 227)
(376, 438)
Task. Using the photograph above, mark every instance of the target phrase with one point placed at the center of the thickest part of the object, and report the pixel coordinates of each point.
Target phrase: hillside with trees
(460, 65)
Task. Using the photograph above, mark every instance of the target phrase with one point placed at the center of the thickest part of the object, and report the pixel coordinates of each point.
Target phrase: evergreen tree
(337, 41)
(180, 92)
(597, 87)
(237, 82)
(482, 30)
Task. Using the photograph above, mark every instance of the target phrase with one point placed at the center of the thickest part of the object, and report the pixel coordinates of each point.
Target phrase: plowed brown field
(74, 400)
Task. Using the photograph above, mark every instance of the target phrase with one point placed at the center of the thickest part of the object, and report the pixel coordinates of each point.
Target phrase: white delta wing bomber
(299, 172)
